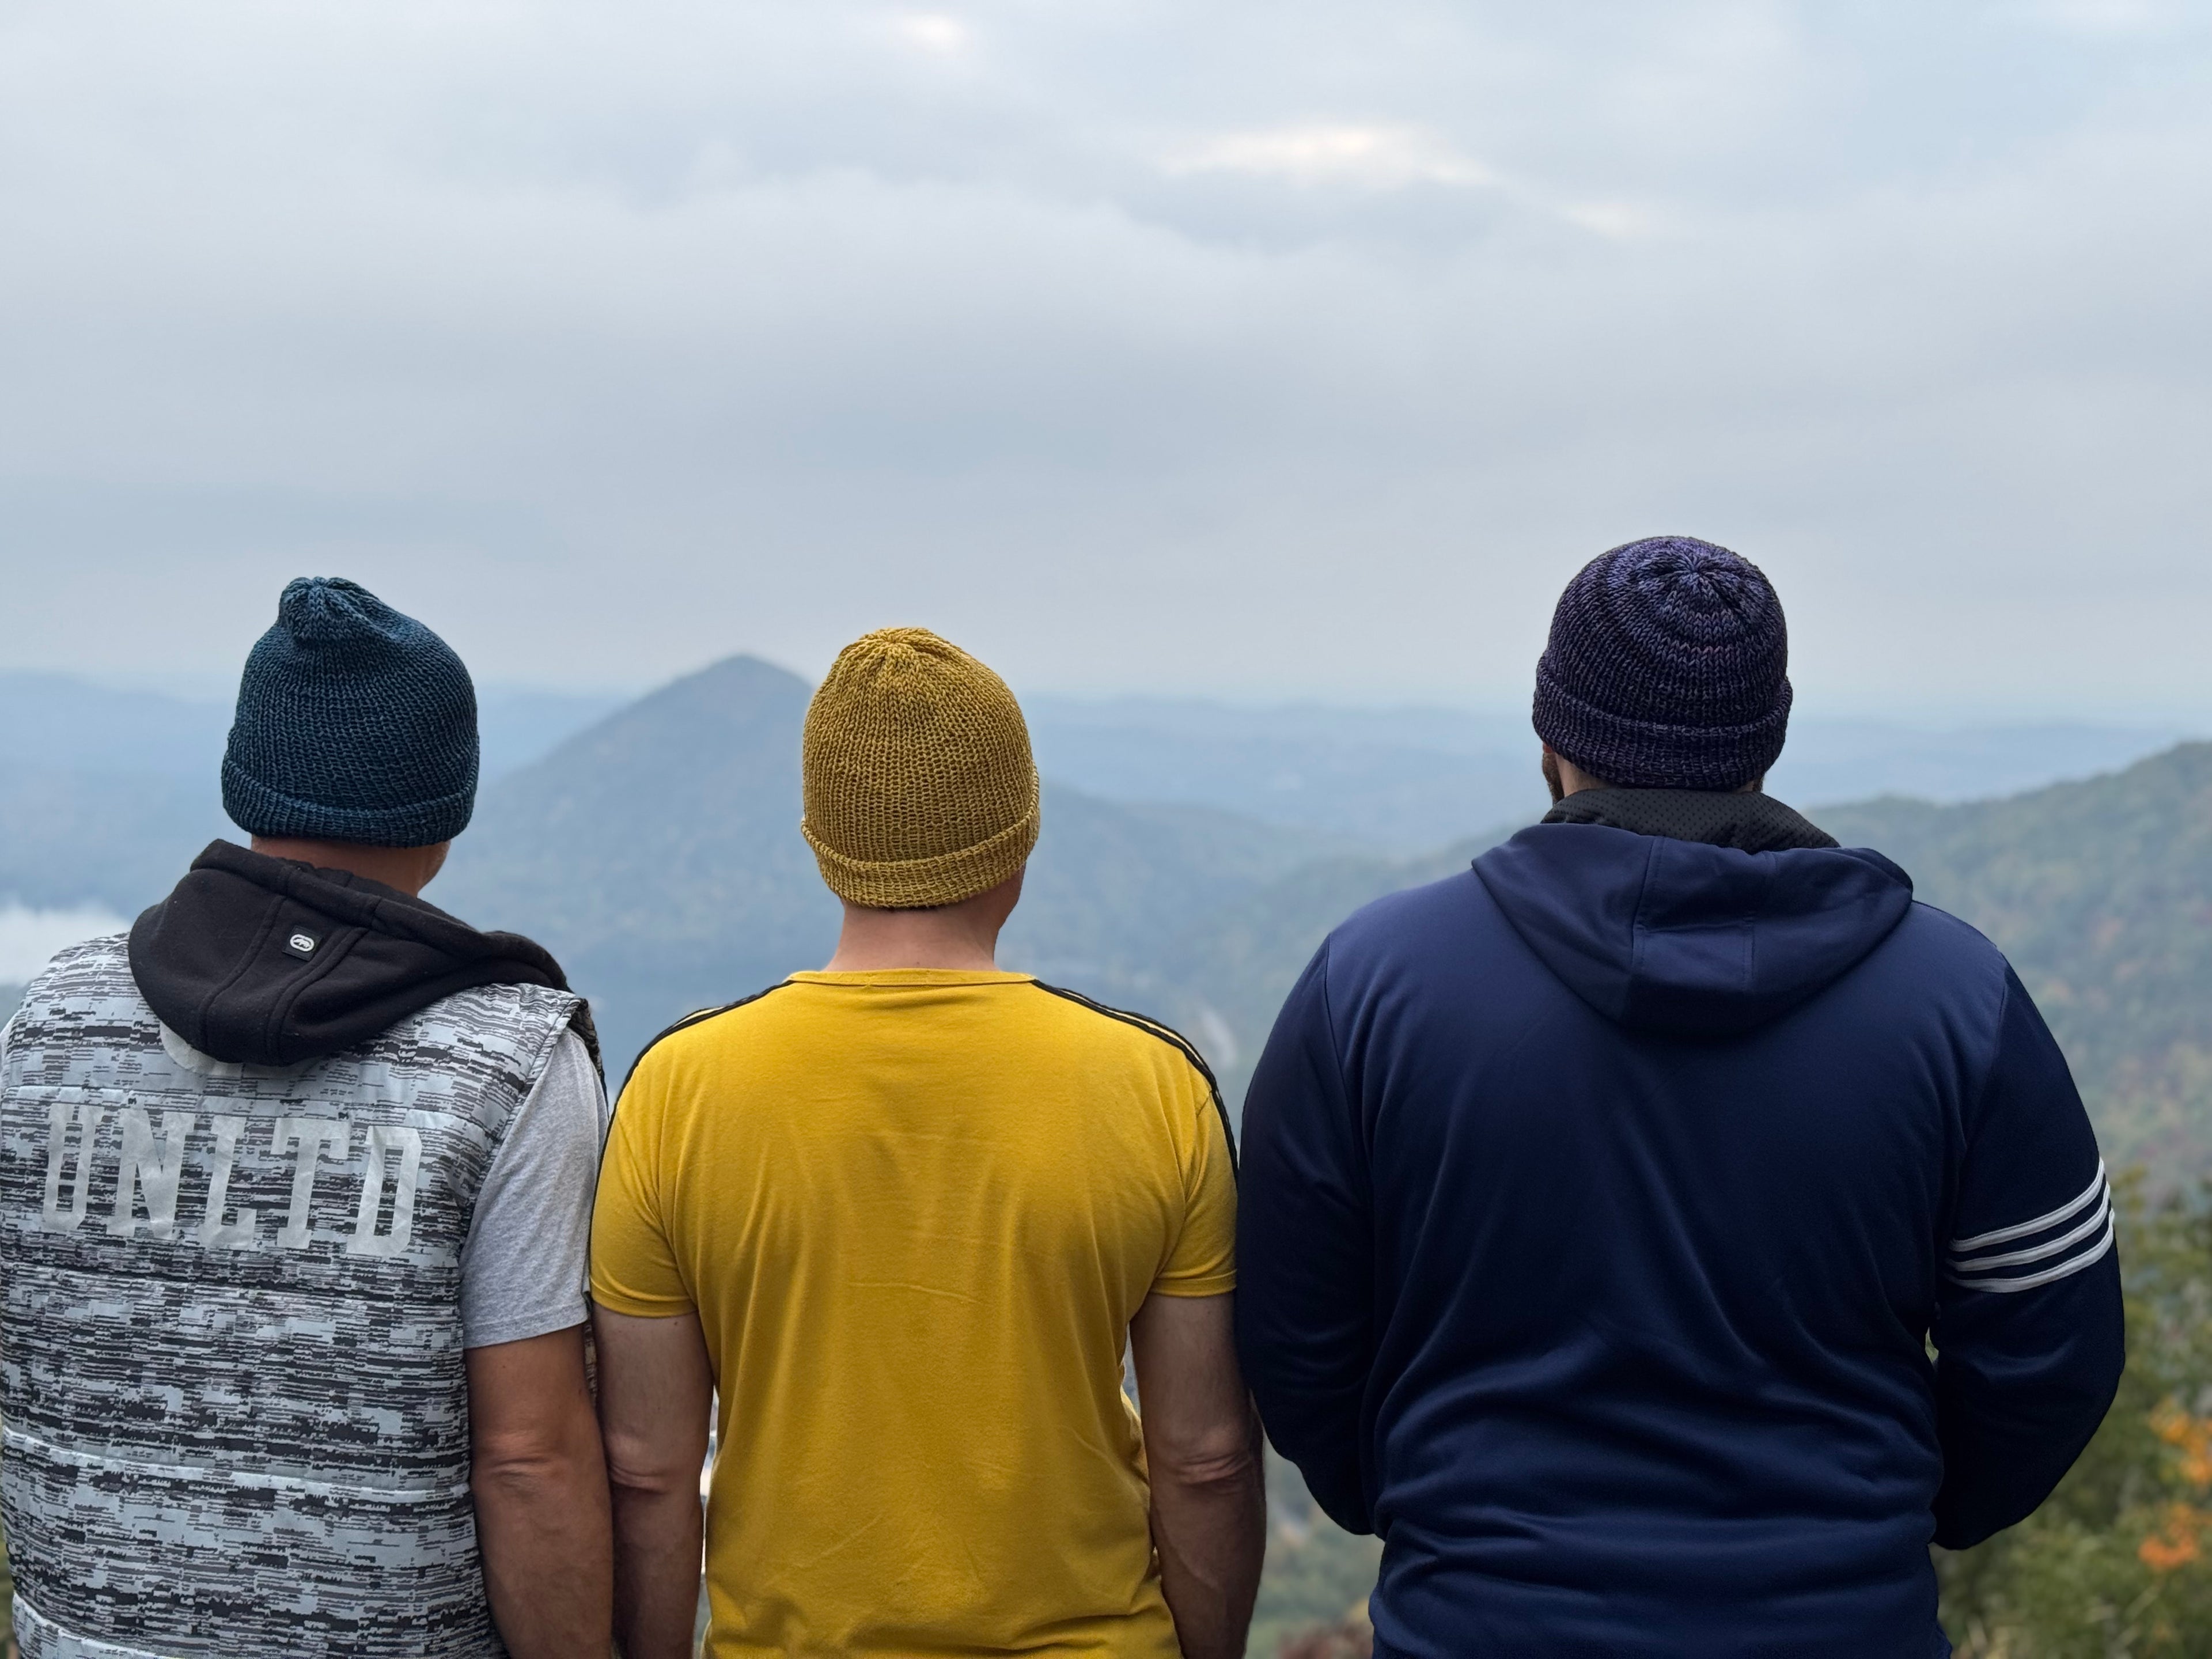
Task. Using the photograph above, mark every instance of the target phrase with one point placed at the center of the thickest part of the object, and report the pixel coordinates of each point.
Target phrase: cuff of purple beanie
(1641, 754)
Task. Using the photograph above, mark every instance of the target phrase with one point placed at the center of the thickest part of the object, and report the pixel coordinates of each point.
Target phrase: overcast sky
(1268, 348)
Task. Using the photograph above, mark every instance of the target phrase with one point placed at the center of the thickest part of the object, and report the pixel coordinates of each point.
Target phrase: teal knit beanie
(355, 723)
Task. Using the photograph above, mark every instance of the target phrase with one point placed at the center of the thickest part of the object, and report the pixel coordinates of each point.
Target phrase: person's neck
(963, 936)
(409, 869)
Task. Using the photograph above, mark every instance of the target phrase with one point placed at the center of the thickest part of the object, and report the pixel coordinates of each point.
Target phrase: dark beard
(1551, 778)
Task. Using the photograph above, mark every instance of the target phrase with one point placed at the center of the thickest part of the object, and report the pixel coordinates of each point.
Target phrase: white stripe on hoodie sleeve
(2064, 1234)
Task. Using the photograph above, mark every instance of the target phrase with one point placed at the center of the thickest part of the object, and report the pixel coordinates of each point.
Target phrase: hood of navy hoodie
(1689, 939)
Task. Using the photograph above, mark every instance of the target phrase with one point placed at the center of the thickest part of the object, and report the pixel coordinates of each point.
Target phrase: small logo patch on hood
(362, 956)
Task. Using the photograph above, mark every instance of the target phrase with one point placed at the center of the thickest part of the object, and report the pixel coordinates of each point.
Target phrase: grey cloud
(1295, 347)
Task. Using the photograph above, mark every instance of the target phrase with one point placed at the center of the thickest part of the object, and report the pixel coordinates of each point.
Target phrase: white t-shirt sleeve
(523, 1269)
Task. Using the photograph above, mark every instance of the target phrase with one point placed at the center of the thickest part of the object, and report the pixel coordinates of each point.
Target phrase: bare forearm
(1202, 1448)
(542, 1528)
(656, 1386)
(1211, 1530)
(658, 1537)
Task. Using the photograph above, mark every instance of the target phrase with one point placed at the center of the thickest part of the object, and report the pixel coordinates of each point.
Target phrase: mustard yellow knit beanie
(920, 787)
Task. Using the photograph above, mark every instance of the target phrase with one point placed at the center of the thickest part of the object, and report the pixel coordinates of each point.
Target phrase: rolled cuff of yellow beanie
(925, 883)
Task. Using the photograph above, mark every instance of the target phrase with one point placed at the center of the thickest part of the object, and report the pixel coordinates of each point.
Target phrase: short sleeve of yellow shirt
(633, 1266)
(915, 1213)
(1203, 1261)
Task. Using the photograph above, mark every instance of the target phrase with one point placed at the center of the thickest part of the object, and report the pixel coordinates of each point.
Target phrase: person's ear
(434, 861)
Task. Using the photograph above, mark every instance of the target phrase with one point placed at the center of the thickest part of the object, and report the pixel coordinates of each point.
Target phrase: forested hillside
(2102, 893)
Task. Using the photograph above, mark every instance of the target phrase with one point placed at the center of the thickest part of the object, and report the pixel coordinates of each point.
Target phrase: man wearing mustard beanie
(899, 1219)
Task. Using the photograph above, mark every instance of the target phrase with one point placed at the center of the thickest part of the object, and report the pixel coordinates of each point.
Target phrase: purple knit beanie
(1668, 668)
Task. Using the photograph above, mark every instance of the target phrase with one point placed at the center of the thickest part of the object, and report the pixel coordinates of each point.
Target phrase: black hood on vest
(267, 961)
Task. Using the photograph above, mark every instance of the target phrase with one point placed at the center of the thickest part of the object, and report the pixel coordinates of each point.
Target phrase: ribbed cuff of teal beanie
(258, 810)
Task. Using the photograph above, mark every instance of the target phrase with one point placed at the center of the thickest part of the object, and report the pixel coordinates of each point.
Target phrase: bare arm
(656, 1388)
(1202, 1444)
(541, 1494)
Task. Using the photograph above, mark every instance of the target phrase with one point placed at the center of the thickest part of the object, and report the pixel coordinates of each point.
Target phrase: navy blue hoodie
(1600, 1205)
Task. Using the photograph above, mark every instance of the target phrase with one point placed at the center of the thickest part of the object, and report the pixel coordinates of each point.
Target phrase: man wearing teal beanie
(296, 1185)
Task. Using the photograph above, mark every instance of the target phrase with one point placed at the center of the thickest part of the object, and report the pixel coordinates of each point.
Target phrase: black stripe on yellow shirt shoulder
(1167, 1034)
(697, 1016)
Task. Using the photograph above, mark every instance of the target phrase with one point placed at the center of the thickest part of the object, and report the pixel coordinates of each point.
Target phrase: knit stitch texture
(1666, 669)
(355, 723)
(920, 787)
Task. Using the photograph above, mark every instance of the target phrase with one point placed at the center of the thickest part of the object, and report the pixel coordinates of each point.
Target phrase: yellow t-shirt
(914, 1211)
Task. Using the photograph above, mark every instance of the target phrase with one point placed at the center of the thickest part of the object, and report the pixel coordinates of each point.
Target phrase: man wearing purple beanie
(1661, 1232)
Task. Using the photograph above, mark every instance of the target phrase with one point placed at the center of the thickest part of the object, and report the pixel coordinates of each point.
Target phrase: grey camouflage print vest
(231, 1375)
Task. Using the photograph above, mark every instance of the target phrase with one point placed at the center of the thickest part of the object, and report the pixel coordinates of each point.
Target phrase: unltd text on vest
(150, 1151)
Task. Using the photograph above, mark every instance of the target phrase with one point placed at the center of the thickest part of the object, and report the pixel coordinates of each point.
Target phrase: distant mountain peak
(742, 670)
(741, 684)
(740, 703)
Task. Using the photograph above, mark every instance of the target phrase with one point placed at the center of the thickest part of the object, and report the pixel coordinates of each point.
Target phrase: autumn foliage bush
(1352, 1639)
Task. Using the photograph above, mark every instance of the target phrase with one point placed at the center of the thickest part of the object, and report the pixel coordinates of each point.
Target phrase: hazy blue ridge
(1397, 782)
(1403, 781)
(54, 722)
(58, 723)
(656, 851)
(1828, 760)
(658, 855)
(115, 838)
